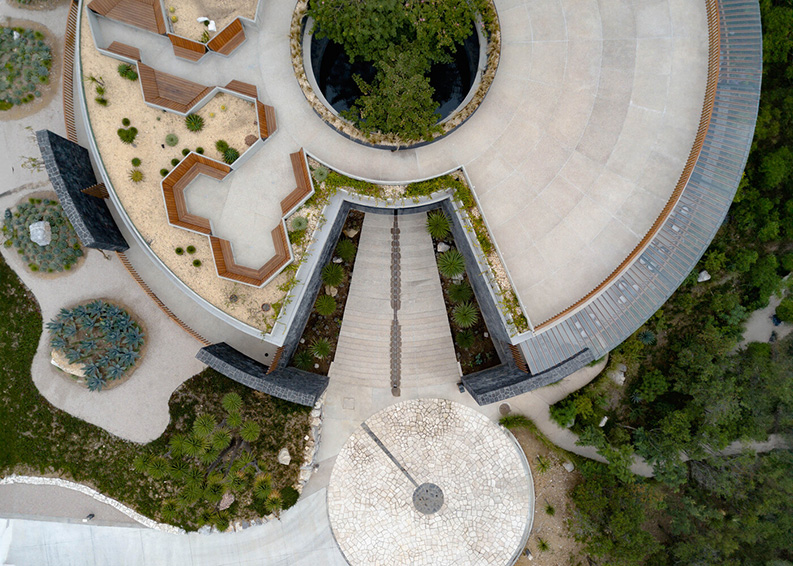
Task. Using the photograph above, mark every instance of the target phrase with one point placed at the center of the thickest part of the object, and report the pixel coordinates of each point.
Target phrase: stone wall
(70, 171)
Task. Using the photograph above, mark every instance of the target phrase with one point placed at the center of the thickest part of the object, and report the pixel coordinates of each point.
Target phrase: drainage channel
(396, 338)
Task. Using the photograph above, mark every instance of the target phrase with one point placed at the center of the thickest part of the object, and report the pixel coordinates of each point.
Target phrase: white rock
(703, 276)
(332, 291)
(603, 422)
(226, 501)
(337, 260)
(443, 247)
(202, 19)
(41, 232)
(212, 26)
(568, 465)
(304, 475)
(351, 232)
(284, 457)
(16, 35)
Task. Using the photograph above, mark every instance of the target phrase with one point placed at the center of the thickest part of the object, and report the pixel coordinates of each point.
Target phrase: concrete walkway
(301, 538)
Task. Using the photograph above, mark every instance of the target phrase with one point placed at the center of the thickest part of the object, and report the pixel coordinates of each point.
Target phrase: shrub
(101, 101)
(179, 251)
(299, 223)
(333, 274)
(514, 420)
(221, 146)
(196, 263)
(465, 339)
(194, 122)
(128, 71)
(289, 497)
(163, 172)
(320, 348)
(460, 292)
(550, 509)
(135, 162)
(320, 174)
(325, 305)
(451, 263)
(127, 135)
(175, 161)
(346, 249)
(303, 360)
(542, 545)
(171, 140)
(437, 224)
(230, 155)
(199, 150)
(190, 249)
(465, 315)
(124, 121)
(784, 311)
(136, 175)
(647, 337)
(186, 151)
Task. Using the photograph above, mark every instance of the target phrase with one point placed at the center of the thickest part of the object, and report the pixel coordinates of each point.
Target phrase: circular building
(431, 482)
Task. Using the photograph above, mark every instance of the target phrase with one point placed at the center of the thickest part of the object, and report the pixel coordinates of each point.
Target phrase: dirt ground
(551, 487)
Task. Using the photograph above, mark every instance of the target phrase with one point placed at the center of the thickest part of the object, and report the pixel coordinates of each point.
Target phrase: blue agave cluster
(60, 254)
(25, 63)
(101, 336)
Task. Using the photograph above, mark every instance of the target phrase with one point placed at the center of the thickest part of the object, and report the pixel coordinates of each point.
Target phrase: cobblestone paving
(488, 496)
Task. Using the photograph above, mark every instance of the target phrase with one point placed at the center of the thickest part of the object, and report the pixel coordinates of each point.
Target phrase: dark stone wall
(290, 384)
(502, 382)
(70, 171)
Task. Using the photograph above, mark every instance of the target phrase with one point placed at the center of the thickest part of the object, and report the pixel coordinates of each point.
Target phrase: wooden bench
(170, 91)
(228, 39)
(174, 184)
(124, 50)
(266, 115)
(144, 14)
(228, 268)
(243, 88)
(303, 180)
(187, 48)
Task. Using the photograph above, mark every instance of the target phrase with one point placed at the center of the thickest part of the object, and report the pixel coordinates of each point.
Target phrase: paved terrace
(573, 153)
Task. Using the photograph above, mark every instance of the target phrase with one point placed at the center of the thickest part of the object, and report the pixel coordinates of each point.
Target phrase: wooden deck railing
(303, 180)
(125, 261)
(228, 39)
(714, 39)
(68, 71)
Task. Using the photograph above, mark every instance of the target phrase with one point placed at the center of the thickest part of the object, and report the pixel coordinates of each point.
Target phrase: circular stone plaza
(602, 159)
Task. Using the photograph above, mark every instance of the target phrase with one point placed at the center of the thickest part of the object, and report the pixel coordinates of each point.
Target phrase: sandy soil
(143, 201)
(551, 487)
(38, 4)
(759, 326)
(222, 11)
(49, 90)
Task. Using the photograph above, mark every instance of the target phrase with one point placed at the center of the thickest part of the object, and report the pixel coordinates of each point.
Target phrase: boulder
(568, 465)
(443, 247)
(603, 422)
(337, 260)
(351, 232)
(332, 291)
(284, 457)
(226, 501)
(41, 232)
(703, 276)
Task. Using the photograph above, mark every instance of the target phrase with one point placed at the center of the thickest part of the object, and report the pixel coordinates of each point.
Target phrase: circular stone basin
(430, 482)
(333, 72)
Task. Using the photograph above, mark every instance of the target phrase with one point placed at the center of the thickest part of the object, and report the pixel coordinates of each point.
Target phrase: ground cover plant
(472, 344)
(320, 337)
(25, 62)
(100, 336)
(402, 40)
(60, 254)
(37, 438)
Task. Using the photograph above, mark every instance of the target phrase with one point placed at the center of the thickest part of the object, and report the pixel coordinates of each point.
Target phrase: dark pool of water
(334, 71)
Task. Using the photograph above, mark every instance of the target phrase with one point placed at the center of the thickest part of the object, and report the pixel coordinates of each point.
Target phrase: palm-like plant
(231, 402)
(141, 463)
(204, 425)
(325, 305)
(234, 419)
(177, 444)
(209, 456)
(460, 292)
(451, 263)
(345, 249)
(158, 467)
(221, 439)
(262, 485)
(437, 224)
(333, 274)
(178, 469)
(465, 315)
(303, 360)
(169, 509)
(465, 339)
(320, 348)
(194, 446)
(249, 431)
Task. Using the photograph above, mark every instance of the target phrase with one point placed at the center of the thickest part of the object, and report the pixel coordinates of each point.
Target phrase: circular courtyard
(430, 482)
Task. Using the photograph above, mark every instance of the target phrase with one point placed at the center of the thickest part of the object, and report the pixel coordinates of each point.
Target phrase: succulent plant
(230, 155)
(171, 140)
(325, 305)
(194, 122)
(136, 175)
(299, 223)
(332, 274)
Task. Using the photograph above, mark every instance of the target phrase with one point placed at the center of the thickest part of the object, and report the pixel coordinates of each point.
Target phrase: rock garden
(42, 235)
(98, 343)
(25, 63)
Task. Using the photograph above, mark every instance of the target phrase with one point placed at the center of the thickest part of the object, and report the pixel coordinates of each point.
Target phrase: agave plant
(345, 249)
(194, 122)
(57, 343)
(128, 358)
(95, 383)
(91, 370)
(133, 338)
(73, 355)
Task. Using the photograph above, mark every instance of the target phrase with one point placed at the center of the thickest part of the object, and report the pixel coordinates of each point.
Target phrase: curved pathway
(573, 153)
